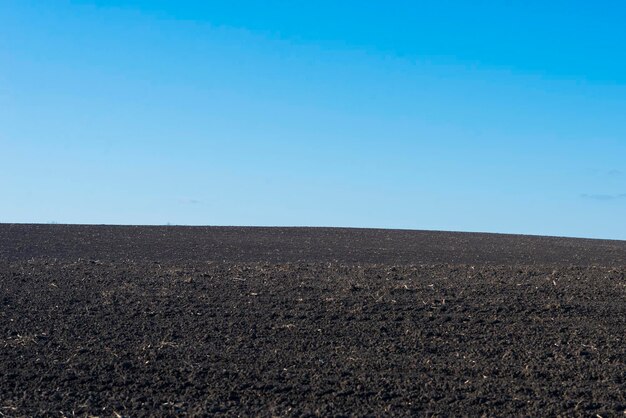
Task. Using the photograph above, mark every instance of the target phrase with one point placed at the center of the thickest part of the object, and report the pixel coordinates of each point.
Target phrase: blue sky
(449, 115)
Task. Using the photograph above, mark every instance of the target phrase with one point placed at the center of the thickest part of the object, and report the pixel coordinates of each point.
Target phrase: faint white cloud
(613, 172)
(188, 201)
(604, 197)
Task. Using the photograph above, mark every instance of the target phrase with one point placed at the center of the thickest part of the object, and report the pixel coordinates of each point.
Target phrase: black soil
(145, 321)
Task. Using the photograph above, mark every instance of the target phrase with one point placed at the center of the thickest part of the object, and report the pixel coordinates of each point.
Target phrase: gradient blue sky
(451, 115)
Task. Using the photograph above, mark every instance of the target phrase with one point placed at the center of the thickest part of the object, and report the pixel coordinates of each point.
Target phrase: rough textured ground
(144, 321)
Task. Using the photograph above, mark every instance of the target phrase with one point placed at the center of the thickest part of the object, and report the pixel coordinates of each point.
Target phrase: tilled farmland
(170, 321)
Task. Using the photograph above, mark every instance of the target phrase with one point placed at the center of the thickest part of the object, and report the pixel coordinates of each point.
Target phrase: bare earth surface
(145, 321)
